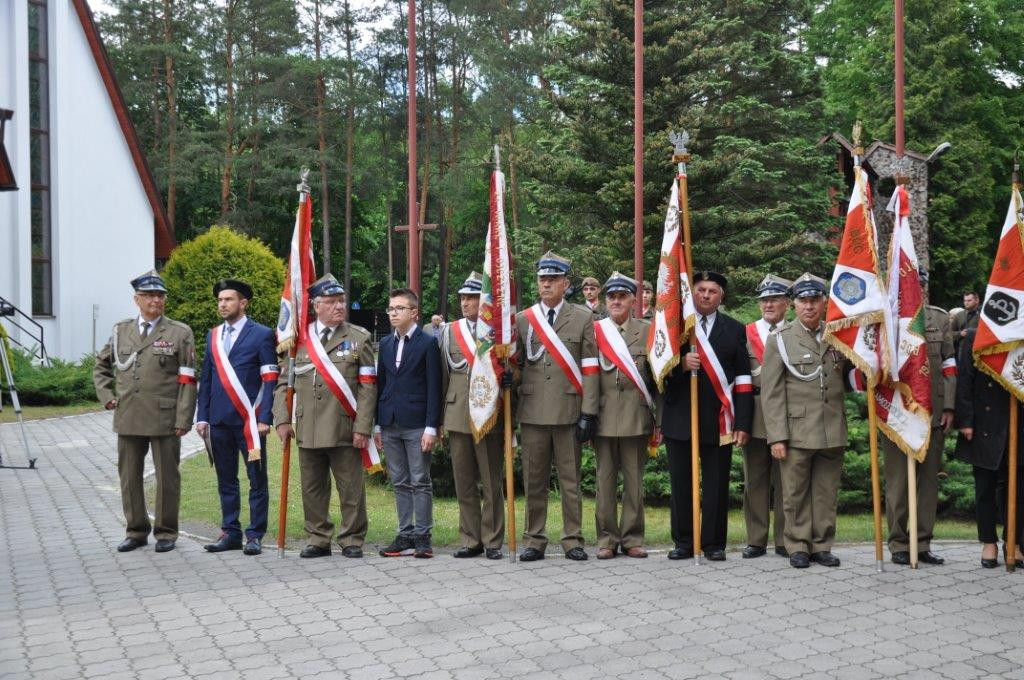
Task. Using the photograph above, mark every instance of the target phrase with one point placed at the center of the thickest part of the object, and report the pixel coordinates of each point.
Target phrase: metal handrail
(10, 318)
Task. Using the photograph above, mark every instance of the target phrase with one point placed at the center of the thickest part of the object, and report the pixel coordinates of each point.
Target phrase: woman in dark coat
(982, 417)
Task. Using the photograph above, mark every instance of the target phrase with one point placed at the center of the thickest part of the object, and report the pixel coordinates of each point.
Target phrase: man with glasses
(408, 414)
(146, 376)
(335, 400)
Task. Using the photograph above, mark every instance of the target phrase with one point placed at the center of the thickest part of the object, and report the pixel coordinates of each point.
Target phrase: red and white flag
(904, 398)
(856, 318)
(999, 343)
(674, 313)
(496, 325)
(291, 320)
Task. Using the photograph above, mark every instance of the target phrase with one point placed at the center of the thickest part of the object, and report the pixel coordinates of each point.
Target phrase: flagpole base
(696, 560)
(280, 553)
(879, 566)
(512, 557)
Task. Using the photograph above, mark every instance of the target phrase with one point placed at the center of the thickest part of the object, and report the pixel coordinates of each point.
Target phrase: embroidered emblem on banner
(850, 288)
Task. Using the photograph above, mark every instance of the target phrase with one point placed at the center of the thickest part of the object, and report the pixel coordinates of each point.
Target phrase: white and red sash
(723, 388)
(559, 352)
(236, 393)
(611, 344)
(757, 334)
(465, 340)
(338, 386)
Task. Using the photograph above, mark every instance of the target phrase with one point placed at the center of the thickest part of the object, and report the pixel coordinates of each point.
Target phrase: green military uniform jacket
(758, 430)
(455, 385)
(320, 421)
(599, 311)
(805, 414)
(623, 410)
(938, 332)
(546, 397)
(153, 380)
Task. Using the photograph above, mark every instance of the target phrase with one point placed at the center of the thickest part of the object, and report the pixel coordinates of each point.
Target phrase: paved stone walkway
(71, 607)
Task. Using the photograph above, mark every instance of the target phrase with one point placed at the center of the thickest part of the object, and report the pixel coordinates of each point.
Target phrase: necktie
(228, 330)
(324, 335)
(704, 324)
(771, 329)
(145, 329)
(551, 317)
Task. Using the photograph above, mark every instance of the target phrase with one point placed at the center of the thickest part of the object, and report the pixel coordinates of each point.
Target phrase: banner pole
(286, 456)
(510, 482)
(1011, 491)
(912, 503)
(876, 486)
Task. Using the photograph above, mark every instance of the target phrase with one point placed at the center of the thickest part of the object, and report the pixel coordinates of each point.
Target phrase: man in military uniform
(942, 364)
(625, 421)
(802, 386)
(592, 299)
(726, 340)
(557, 405)
(648, 301)
(762, 489)
(966, 320)
(330, 440)
(474, 463)
(146, 375)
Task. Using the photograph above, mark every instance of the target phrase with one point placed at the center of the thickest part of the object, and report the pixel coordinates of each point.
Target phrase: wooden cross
(420, 228)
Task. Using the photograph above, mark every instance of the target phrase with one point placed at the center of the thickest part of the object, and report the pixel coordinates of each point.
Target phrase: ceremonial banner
(904, 399)
(999, 343)
(674, 314)
(857, 306)
(495, 328)
(291, 320)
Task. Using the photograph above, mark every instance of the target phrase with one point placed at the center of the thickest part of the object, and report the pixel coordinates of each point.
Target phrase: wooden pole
(876, 485)
(638, 150)
(912, 503)
(286, 458)
(1011, 491)
(414, 240)
(510, 481)
(898, 14)
(682, 157)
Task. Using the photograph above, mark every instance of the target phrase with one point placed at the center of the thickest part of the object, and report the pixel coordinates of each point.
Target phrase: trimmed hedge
(221, 253)
(61, 383)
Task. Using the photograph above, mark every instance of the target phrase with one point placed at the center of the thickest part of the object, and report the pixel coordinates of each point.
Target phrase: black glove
(506, 380)
(586, 428)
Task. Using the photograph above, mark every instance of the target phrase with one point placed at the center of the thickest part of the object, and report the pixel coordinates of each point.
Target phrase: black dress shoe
(165, 544)
(825, 559)
(468, 552)
(576, 554)
(781, 551)
(928, 557)
(902, 557)
(753, 551)
(315, 551)
(800, 560)
(494, 553)
(352, 551)
(679, 554)
(253, 546)
(530, 555)
(715, 555)
(224, 543)
(129, 544)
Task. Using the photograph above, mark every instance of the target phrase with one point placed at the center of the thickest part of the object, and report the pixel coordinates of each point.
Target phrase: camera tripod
(8, 376)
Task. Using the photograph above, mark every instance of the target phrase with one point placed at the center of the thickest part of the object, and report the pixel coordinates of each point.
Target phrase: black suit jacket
(409, 396)
(729, 340)
(982, 404)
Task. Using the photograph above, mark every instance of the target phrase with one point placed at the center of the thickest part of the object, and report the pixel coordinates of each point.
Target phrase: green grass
(40, 412)
(200, 508)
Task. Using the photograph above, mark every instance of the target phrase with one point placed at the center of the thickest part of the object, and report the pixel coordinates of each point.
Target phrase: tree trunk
(172, 113)
(229, 102)
(322, 137)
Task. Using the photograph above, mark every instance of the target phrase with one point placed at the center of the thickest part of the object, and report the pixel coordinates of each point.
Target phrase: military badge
(850, 288)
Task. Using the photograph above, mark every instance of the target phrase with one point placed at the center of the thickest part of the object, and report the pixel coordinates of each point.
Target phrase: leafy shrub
(61, 383)
(221, 253)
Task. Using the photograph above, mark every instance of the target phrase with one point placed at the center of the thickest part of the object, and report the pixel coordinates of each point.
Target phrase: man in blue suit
(236, 392)
(408, 414)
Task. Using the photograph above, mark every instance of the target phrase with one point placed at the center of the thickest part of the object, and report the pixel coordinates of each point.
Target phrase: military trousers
(762, 493)
(627, 455)
(540, 444)
(810, 493)
(479, 474)
(715, 462)
(131, 460)
(345, 464)
(897, 494)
